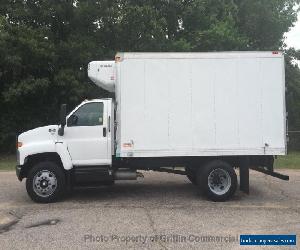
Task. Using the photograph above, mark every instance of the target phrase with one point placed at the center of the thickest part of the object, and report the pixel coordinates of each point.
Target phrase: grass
(7, 162)
(290, 161)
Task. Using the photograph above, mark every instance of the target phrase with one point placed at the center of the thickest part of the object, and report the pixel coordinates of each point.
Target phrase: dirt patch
(7, 221)
(44, 223)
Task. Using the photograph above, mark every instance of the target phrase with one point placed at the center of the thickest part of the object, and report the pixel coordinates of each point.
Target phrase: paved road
(161, 211)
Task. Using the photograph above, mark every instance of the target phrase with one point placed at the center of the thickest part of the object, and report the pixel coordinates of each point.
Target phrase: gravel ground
(161, 211)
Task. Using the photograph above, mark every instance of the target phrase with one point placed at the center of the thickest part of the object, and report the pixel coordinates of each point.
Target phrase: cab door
(86, 134)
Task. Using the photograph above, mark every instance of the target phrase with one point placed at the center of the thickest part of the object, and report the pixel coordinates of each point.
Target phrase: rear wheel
(217, 180)
(46, 182)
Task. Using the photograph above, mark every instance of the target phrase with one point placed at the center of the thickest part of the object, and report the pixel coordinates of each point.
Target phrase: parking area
(161, 211)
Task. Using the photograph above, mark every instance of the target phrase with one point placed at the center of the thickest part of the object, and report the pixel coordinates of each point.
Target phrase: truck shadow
(147, 193)
(135, 191)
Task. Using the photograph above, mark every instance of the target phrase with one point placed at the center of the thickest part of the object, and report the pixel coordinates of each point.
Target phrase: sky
(293, 36)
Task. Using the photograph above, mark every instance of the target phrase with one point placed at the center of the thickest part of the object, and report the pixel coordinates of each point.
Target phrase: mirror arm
(63, 115)
(61, 130)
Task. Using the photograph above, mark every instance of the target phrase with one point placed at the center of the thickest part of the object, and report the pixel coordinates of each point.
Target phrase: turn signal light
(19, 144)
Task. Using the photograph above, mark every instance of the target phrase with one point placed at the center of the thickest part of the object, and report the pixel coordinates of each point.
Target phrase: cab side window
(90, 114)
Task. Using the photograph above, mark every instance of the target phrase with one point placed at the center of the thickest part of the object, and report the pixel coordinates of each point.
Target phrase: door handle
(104, 131)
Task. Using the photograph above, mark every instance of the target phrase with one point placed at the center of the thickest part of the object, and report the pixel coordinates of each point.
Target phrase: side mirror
(63, 115)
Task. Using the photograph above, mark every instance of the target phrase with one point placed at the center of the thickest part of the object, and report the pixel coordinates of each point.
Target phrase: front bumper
(19, 172)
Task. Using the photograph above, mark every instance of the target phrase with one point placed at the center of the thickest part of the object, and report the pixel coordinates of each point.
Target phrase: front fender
(61, 149)
(34, 148)
(45, 147)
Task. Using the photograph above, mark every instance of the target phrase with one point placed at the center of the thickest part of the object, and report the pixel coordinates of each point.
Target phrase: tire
(46, 182)
(217, 180)
(191, 175)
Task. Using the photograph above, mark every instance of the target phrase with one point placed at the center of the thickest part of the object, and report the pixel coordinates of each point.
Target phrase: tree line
(45, 47)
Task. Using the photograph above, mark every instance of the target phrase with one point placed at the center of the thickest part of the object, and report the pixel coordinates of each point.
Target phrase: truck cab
(83, 144)
(86, 139)
(89, 127)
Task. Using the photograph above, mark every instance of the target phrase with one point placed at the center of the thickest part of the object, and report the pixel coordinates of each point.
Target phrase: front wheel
(217, 180)
(46, 182)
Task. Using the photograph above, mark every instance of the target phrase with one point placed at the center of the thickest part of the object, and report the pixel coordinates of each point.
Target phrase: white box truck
(202, 115)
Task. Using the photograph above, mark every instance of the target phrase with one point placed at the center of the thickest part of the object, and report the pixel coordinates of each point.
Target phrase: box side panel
(144, 105)
(273, 104)
(202, 107)
(117, 107)
(179, 83)
(225, 86)
(132, 103)
(248, 103)
(156, 116)
(227, 104)
(203, 104)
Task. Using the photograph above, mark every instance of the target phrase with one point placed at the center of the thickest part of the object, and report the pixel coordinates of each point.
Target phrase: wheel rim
(219, 181)
(44, 183)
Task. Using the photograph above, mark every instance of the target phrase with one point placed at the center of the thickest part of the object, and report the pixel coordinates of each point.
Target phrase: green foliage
(293, 96)
(7, 162)
(291, 161)
(45, 46)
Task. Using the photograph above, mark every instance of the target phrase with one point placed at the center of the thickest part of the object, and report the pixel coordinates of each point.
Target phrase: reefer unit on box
(200, 104)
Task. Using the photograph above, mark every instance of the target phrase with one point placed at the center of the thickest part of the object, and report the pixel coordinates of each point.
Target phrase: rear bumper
(18, 172)
(271, 173)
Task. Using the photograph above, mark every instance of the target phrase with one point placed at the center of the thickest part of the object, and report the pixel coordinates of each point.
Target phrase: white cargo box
(200, 104)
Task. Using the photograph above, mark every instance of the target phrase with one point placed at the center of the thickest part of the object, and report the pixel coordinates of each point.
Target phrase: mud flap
(244, 174)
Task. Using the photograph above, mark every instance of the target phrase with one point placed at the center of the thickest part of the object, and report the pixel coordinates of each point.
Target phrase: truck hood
(46, 133)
